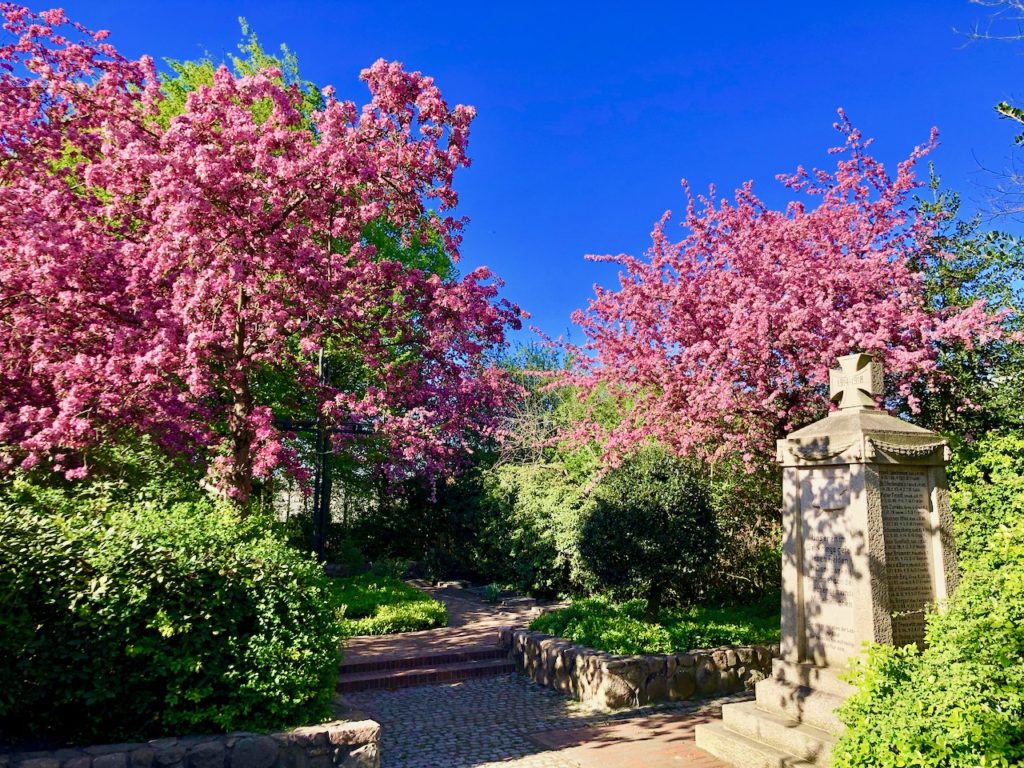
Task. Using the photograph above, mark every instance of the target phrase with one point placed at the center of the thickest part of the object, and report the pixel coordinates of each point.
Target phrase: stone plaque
(907, 521)
(827, 572)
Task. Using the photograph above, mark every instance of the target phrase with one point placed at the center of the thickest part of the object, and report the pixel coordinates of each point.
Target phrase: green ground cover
(372, 604)
(619, 627)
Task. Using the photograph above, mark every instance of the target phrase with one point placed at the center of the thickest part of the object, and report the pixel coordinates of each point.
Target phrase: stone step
(800, 739)
(406, 678)
(811, 676)
(741, 752)
(800, 703)
(412, 661)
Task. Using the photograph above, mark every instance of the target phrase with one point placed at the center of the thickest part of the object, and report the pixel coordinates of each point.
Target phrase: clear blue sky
(589, 114)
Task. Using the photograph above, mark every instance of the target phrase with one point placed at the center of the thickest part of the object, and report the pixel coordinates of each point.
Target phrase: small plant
(390, 568)
(492, 593)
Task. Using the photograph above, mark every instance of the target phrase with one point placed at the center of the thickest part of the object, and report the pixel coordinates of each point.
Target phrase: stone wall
(337, 744)
(617, 682)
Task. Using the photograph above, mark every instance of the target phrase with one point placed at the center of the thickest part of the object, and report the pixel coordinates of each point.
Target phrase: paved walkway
(472, 624)
(509, 721)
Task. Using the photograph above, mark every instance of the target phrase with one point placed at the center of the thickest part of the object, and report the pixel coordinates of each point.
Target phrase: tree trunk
(239, 479)
(653, 608)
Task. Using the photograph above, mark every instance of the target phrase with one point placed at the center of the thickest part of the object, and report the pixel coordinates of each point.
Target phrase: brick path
(471, 624)
(510, 722)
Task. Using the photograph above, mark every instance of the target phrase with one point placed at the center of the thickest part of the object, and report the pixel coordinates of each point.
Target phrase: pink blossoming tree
(154, 271)
(721, 342)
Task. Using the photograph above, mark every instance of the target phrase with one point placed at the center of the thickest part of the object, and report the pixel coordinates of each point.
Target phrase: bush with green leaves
(126, 620)
(601, 624)
(530, 519)
(986, 481)
(960, 702)
(380, 604)
(652, 531)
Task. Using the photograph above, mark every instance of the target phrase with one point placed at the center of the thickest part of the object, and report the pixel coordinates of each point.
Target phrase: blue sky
(590, 114)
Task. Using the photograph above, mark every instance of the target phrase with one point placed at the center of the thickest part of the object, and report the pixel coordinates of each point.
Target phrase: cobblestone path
(511, 722)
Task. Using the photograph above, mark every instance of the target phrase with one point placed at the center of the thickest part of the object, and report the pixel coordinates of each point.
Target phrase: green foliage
(339, 548)
(492, 593)
(983, 389)
(986, 480)
(652, 530)
(530, 519)
(126, 619)
(372, 604)
(748, 564)
(959, 703)
(620, 628)
(191, 75)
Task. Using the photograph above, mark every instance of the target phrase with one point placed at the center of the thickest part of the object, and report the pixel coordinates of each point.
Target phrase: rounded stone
(254, 752)
(113, 760)
(207, 755)
(683, 684)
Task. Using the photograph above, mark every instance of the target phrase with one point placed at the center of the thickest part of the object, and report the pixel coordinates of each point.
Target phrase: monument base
(790, 724)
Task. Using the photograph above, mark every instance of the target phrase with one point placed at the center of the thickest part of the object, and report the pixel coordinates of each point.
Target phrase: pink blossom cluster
(147, 275)
(722, 341)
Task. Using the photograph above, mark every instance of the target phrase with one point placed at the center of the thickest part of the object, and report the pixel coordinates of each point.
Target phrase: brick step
(737, 750)
(405, 678)
(799, 739)
(484, 653)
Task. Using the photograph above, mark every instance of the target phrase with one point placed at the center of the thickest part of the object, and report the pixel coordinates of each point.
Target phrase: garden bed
(613, 681)
(619, 628)
(604, 654)
(371, 604)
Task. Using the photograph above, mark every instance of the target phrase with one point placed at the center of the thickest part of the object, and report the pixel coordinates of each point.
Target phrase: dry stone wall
(617, 682)
(338, 744)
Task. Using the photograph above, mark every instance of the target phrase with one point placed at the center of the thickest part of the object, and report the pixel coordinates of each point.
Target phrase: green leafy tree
(652, 530)
(982, 387)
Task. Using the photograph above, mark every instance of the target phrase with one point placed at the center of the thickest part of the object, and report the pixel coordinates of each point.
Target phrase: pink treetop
(147, 276)
(723, 340)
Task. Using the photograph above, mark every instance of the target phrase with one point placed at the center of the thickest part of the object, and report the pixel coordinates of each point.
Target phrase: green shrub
(986, 480)
(960, 702)
(390, 568)
(527, 520)
(370, 604)
(127, 621)
(492, 593)
(621, 628)
(652, 530)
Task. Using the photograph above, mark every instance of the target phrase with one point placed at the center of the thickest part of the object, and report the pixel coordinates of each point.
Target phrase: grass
(619, 627)
(371, 604)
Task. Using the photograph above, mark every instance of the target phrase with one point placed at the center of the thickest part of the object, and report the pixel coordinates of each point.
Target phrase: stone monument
(867, 548)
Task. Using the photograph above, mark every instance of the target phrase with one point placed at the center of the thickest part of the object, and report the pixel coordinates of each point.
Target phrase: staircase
(790, 724)
(423, 669)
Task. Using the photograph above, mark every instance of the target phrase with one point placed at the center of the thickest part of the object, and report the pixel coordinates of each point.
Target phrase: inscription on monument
(829, 630)
(906, 519)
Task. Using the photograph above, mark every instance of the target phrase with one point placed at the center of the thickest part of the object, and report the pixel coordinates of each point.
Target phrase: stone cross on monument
(857, 380)
(867, 549)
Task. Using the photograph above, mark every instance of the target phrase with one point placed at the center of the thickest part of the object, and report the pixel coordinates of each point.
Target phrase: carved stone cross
(858, 378)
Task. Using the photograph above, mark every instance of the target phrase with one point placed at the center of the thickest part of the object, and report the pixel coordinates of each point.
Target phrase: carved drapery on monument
(867, 549)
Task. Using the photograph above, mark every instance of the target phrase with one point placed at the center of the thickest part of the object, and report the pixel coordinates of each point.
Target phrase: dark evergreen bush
(652, 531)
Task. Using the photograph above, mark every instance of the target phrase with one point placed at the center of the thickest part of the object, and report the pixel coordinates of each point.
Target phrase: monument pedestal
(868, 547)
